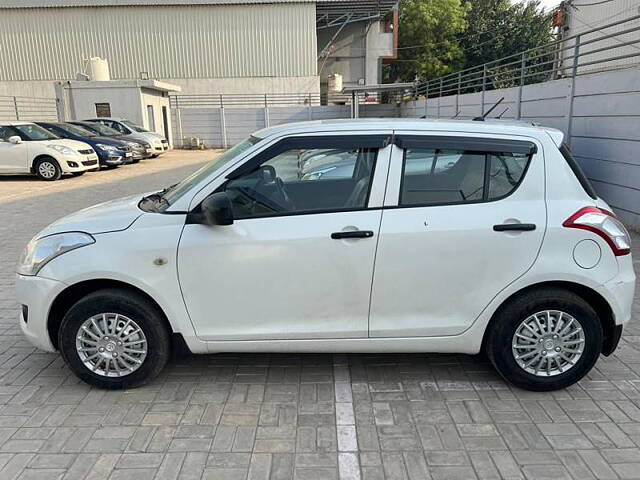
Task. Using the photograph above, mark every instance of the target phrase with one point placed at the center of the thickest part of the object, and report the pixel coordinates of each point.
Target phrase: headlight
(63, 150)
(41, 251)
(107, 148)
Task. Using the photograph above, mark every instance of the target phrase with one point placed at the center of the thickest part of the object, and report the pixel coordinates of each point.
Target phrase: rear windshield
(577, 171)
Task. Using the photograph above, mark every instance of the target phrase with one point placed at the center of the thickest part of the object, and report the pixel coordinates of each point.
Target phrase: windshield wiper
(155, 201)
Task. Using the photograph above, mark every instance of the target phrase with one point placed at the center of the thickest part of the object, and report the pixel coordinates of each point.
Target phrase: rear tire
(114, 339)
(47, 169)
(545, 339)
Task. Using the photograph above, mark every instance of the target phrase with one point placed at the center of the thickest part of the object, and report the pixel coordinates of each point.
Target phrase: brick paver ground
(293, 416)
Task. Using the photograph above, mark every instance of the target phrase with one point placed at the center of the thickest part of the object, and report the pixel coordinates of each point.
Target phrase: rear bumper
(611, 342)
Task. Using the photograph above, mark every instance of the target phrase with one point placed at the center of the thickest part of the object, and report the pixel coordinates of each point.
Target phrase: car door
(13, 157)
(464, 217)
(297, 262)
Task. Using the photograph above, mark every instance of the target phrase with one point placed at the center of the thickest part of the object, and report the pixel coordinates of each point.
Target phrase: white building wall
(583, 17)
(167, 42)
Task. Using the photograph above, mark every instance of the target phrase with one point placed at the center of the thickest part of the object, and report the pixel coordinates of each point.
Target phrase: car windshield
(218, 163)
(34, 132)
(103, 130)
(77, 130)
(134, 127)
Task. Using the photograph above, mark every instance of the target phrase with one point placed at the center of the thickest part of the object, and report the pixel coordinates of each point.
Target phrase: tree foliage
(498, 28)
(437, 37)
(428, 39)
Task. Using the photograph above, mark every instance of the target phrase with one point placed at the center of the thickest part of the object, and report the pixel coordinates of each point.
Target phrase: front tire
(47, 169)
(114, 339)
(545, 339)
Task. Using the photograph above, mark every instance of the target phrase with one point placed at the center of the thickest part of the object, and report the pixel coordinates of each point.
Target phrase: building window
(103, 110)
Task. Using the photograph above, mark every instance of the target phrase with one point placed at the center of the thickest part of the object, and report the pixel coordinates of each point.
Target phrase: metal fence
(608, 47)
(13, 108)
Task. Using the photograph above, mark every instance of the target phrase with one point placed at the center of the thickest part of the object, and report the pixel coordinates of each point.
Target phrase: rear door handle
(514, 227)
(352, 234)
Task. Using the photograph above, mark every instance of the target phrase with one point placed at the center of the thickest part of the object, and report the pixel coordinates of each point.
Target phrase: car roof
(490, 126)
(13, 124)
(115, 119)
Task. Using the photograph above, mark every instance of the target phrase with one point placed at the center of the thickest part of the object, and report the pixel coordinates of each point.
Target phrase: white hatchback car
(28, 148)
(344, 236)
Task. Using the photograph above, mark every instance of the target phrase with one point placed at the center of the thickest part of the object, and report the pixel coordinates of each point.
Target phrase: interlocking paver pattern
(259, 416)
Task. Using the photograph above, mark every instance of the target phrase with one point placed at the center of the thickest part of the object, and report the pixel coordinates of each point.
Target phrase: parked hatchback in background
(111, 152)
(28, 148)
(159, 143)
(450, 237)
(139, 148)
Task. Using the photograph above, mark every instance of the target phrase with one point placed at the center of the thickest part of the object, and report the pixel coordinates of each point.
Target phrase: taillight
(603, 223)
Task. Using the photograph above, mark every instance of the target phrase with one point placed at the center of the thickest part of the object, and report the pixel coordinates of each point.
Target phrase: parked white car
(492, 240)
(159, 143)
(28, 148)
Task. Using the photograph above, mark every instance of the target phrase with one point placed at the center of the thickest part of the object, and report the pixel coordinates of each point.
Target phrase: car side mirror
(217, 209)
(15, 139)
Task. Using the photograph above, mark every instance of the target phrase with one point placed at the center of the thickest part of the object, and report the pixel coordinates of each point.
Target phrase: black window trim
(471, 144)
(487, 170)
(577, 171)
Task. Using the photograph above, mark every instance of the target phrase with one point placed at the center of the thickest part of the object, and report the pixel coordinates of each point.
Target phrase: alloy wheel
(548, 343)
(111, 345)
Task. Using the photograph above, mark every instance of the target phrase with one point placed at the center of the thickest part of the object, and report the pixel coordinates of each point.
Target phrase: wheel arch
(42, 156)
(593, 298)
(69, 296)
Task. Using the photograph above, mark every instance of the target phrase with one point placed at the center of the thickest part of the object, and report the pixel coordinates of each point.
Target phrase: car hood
(67, 142)
(113, 216)
(147, 136)
(110, 141)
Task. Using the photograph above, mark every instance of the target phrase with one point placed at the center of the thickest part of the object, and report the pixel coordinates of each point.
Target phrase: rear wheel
(114, 339)
(47, 168)
(545, 340)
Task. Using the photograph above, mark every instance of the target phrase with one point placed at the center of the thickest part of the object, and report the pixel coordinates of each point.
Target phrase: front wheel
(47, 169)
(114, 339)
(545, 340)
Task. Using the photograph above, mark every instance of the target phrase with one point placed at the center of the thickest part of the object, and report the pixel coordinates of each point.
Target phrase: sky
(547, 4)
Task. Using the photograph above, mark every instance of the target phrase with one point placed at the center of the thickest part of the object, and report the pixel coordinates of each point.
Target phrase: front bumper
(78, 163)
(37, 295)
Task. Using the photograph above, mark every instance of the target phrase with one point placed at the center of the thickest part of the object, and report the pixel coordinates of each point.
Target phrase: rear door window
(472, 173)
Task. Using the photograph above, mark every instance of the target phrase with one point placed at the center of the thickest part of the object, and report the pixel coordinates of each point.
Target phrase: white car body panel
(281, 284)
(20, 158)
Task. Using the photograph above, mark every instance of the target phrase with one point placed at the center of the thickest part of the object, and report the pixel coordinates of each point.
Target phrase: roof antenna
(484, 115)
(423, 116)
(503, 112)
(456, 115)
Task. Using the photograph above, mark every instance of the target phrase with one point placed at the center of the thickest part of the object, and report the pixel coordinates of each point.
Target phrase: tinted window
(304, 180)
(6, 132)
(34, 132)
(434, 176)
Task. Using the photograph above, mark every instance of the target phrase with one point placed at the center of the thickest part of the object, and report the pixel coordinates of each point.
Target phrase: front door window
(303, 180)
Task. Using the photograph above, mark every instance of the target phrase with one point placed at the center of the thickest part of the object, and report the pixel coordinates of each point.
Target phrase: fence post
(15, 107)
(484, 88)
(426, 99)
(223, 123)
(310, 108)
(266, 111)
(572, 89)
(179, 121)
(439, 96)
(523, 67)
(458, 93)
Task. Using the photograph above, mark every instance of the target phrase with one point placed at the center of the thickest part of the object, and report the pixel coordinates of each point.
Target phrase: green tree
(498, 28)
(428, 39)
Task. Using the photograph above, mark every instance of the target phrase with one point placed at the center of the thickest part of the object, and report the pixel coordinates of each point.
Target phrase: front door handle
(352, 234)
(514, 227)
